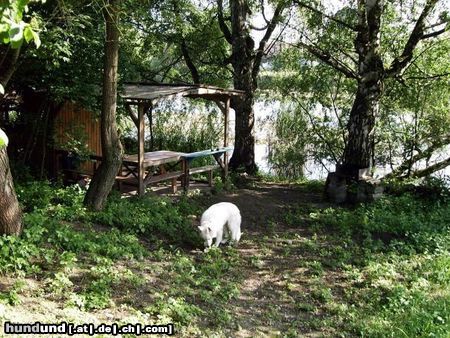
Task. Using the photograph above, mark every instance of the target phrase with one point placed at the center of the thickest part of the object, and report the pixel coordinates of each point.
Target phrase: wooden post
(150, 121)
(141, 135)
(174, 185)
(186, 175)
(210, 178)
(225, 138)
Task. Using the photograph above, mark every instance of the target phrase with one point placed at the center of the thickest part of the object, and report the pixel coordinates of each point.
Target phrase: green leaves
(3, 139)
(30, 35)
(16, 34)
(13, 29)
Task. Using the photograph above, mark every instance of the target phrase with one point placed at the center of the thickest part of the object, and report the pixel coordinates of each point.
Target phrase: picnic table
(161, 158)
(167, 160)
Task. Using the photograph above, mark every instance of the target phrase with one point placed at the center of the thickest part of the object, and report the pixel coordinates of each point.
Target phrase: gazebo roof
(140, 92)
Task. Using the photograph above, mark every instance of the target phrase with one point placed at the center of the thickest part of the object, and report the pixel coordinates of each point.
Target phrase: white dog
(219, 221)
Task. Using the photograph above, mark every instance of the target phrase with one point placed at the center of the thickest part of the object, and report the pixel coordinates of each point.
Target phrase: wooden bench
(131, 180)
(188, 158)
(208, 169)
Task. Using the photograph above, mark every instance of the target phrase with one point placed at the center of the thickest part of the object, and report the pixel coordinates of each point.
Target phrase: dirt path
(267, 202)
(274, 298)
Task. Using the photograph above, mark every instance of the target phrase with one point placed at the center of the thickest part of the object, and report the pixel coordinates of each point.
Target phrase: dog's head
(206, 234)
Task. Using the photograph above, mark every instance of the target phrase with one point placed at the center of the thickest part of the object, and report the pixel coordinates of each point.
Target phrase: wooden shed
(76, 130)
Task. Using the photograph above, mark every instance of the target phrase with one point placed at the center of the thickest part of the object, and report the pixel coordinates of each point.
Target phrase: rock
(368, 190)
(336, 188)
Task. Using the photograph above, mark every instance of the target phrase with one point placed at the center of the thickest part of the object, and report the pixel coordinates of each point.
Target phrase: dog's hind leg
(236, 236)
(235, 228)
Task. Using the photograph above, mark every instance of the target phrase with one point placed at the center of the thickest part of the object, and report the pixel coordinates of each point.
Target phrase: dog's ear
(199, 227)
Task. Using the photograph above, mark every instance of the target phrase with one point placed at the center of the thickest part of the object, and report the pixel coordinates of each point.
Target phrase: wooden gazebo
(145, 97)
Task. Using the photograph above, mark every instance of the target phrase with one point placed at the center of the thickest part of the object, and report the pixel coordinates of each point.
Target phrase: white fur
(219, 221)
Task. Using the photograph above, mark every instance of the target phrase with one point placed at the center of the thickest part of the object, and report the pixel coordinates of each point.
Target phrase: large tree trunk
(246, 61)
(10, 213)
(359, 150)
(243, 58)
(244, 144)
(104, 178)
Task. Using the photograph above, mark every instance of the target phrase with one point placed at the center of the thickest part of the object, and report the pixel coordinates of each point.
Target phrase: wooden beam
(141, 136)
(149, 112)
(225, 137)
(226, 118)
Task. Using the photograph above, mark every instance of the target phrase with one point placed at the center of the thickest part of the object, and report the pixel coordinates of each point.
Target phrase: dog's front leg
(218, 238)
(225, 236)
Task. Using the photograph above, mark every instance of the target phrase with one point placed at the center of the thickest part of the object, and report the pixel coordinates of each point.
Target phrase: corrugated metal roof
(153, 92)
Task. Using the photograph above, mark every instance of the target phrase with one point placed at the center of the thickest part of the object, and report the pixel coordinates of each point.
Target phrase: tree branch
(431, 169)
(436, 33)
(329, 60)
(416, 35)
(427, 77)
(316, 130)
(335, 109)
(406, 165)
(262, 44)
(132, 114)
(189, 63)
(8, 65)
(184, 48)
(223, 26)
(258, 28)
(315, 10)
(263, 12)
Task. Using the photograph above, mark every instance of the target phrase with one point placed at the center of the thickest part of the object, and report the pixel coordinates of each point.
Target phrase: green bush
(156, 217)
(47, 242)
(65, 203)
(17, 255)
(398, 267)
(111, 243)
(406, 218)
(34, 195)
(27, 253)
(175, 310)
(435, 189)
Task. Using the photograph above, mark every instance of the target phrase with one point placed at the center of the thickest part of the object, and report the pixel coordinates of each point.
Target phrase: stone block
(336, 188)
(368, 190)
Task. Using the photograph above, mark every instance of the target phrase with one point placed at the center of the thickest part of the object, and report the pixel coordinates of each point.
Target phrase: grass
(379, 270)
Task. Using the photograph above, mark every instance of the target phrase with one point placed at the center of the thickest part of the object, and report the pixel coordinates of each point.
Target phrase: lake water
(313, 171)
(316, 171)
